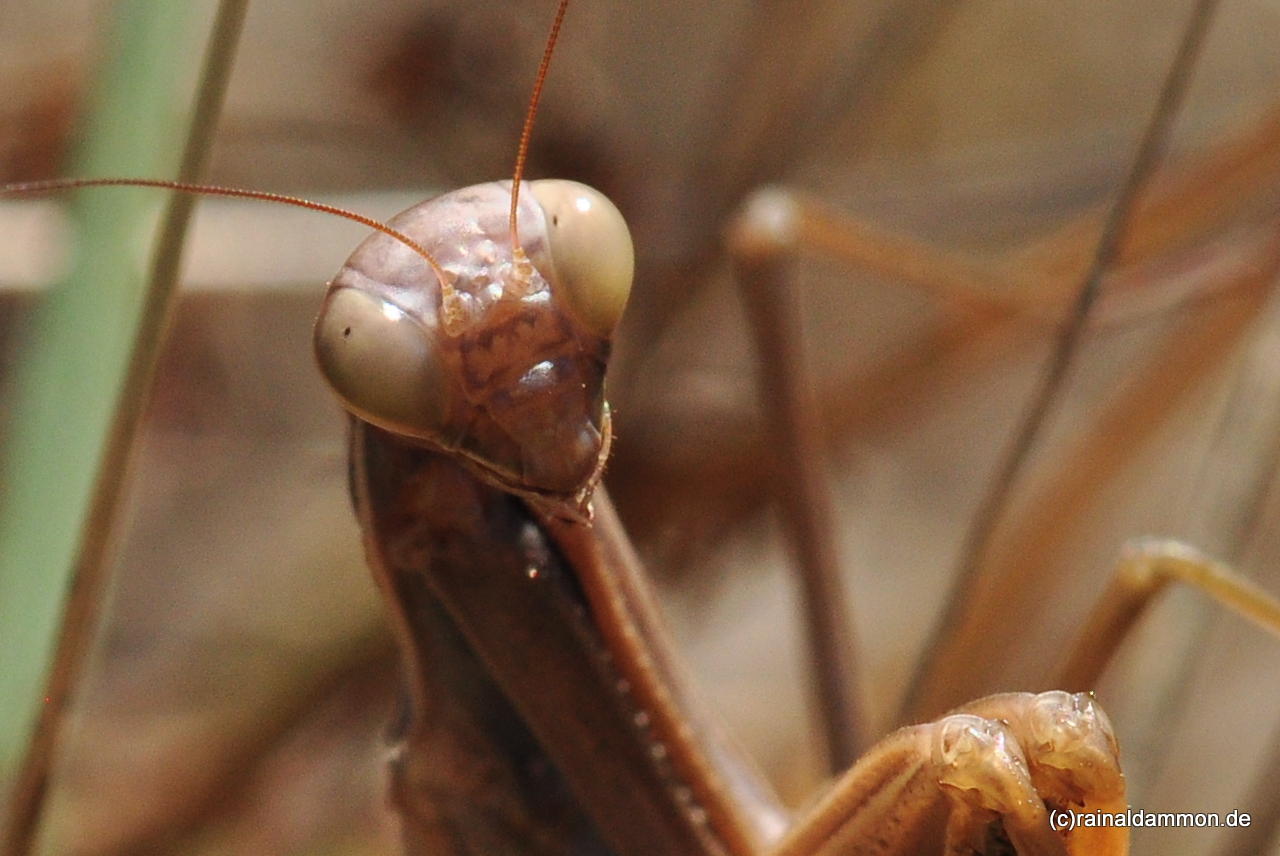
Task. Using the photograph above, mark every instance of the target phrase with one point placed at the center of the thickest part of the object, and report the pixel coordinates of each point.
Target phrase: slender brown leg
(737, 802)
(762, 267)
(979, 780)
(953, 632)
(1146, 567)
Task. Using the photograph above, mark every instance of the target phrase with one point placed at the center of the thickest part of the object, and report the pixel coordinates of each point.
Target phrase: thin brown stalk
(803, 498)
(1007, 598)
(92, 566)
(972, 576)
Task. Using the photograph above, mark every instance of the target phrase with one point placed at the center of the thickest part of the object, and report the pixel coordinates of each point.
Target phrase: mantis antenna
(521, 260)
(56, 184)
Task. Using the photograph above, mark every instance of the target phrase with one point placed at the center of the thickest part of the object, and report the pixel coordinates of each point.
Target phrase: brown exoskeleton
(469, 354)
(658, 778)
(649, 776)
(447, 382)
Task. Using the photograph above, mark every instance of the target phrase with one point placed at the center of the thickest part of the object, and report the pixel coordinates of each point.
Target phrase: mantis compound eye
(444, 343)
(381, 362)
(591, 252)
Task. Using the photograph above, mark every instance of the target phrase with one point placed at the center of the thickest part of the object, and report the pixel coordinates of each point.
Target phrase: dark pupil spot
(346, 332)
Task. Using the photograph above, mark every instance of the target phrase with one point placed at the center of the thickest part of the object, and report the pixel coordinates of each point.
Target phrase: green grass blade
(78, 390)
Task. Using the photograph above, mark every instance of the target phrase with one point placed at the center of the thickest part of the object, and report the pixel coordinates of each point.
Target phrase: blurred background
(242, 680)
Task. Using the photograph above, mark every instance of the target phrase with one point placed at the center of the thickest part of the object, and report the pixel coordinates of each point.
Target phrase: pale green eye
(381, 362)
(591, 252)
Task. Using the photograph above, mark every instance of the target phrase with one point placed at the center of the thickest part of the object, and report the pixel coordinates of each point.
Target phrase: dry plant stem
(189, 190)
(91, 575)
(1182, 209)
(1179, 210)
(797, 74)
(1008, 597)
(967, 341)
(727, 482)
(1257, 408)
(1234, 484)
(940, 663)
(1146, 568)
(804, 499)
(740, 806)
(1038, 534)
(777, 101)
(1240, 466)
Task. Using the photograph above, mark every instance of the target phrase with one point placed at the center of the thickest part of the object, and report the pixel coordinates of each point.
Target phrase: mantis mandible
(490, 348)
(995, 769)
